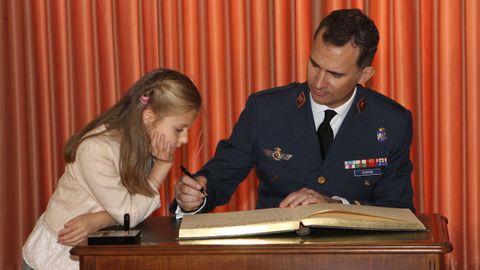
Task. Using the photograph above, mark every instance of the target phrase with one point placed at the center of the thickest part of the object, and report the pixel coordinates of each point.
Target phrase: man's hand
(188, 194)
(305, 196)
(77, 229)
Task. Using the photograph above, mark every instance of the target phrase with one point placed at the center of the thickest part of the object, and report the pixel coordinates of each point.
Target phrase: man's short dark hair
(351, 25)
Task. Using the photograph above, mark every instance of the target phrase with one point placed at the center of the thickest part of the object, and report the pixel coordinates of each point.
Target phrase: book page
(288, 219)
(400, 214)
(239, 223)
(360, 216)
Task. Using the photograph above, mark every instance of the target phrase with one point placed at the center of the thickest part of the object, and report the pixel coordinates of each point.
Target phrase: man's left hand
(305, 196)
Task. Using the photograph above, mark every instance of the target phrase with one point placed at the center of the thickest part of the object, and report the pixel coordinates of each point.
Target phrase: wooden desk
(322, 249)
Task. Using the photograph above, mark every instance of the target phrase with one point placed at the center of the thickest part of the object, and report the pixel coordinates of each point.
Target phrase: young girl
(115, 166)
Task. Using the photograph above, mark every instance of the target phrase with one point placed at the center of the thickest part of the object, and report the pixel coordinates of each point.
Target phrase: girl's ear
(148, 116)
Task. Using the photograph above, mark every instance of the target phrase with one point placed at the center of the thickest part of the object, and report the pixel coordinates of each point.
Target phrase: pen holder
(117, 237)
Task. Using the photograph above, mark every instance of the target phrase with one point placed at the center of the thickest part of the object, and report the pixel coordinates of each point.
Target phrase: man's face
(332, 72)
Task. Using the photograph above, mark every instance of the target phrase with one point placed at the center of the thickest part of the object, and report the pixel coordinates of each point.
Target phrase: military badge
(381, 135)
(300, 100)
(276, 154)
(361, 105)
(365, 163)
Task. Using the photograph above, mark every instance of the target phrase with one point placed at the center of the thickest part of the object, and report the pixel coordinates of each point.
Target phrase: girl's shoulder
(100, 140)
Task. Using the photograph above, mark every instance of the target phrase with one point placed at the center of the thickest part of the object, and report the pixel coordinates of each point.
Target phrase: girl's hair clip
(145, 99)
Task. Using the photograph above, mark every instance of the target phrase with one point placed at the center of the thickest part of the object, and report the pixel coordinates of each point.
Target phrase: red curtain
(63, 62)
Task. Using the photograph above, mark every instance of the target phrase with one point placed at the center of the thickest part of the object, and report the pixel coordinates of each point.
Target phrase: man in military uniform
(329, 140)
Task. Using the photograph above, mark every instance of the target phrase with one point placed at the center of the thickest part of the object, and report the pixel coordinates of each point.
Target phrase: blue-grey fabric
(276, 120)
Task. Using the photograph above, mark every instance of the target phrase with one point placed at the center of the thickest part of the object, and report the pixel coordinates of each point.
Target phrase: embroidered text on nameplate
(367, 172)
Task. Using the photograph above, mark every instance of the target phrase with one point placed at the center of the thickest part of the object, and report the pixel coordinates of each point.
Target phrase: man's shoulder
(283, 96)
(280, 91)
(379, 102)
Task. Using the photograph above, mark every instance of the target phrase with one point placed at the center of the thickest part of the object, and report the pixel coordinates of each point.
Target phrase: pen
(126, 223)
(187, 173)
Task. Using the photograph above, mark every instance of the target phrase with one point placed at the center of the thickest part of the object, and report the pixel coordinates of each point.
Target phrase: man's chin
(322, 100)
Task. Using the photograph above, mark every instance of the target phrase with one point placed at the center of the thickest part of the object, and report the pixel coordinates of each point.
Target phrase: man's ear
(367, 73)
(148, 116)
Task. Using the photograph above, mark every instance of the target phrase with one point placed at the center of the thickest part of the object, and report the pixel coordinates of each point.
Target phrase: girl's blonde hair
(166, 92)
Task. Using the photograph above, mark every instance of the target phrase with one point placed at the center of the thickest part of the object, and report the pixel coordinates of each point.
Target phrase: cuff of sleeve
(179, 212)
(344, 201)
(153, 186)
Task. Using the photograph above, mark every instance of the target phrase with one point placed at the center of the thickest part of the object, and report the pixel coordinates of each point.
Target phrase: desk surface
(161, 246)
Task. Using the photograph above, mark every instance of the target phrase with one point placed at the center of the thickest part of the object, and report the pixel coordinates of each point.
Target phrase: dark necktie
(325, 133)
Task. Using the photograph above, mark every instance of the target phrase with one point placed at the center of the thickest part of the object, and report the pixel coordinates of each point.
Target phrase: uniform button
(275, 176)
(321, 180)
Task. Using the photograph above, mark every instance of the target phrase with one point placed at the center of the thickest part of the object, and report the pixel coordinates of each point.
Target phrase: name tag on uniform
(367, 172)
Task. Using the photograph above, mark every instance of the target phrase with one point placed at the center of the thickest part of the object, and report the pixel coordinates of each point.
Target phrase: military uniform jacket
(368, 161)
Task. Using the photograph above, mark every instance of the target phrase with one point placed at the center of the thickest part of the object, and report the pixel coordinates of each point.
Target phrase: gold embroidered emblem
(276, 154)
(300, 100)
(361, 105)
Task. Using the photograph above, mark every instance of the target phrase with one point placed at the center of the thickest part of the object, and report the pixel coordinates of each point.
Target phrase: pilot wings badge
(276, 154)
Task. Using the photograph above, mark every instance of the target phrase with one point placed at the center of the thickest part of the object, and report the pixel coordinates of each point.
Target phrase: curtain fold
(64, 62)
(471, 58)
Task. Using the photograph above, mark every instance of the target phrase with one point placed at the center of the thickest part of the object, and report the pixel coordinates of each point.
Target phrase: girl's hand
(76, 230)
(161, 150)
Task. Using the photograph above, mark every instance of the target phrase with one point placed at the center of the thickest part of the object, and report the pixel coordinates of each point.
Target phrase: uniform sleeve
(395, 189)
(234, 159)
(99, 170)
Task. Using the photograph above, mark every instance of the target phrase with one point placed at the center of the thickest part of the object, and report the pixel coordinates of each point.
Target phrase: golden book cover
(275, 220)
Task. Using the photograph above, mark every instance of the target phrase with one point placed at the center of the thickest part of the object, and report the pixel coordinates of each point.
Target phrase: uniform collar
(341, 110)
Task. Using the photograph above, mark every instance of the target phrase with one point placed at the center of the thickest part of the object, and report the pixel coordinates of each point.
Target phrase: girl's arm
(76, 230)
(97, 166)
(162, 153)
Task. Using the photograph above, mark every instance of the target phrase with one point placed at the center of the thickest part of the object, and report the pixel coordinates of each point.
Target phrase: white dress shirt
(318, 111)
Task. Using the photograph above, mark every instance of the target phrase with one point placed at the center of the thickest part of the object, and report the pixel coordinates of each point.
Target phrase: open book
(273, 220)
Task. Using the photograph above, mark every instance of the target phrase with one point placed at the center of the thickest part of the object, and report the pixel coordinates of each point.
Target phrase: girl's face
(174, 126)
